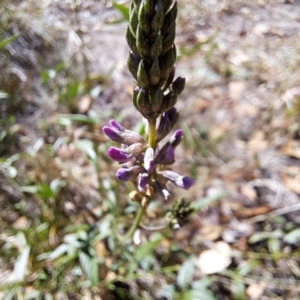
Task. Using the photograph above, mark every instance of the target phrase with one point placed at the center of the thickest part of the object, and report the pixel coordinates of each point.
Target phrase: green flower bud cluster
(150, 36)
(181, 209)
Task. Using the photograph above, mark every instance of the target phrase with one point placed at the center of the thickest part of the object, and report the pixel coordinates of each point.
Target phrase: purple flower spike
(149, 160)
(181, 181)
(143, 180)
(176, 138)
(112, 134)
(126, 174)
(119, 155)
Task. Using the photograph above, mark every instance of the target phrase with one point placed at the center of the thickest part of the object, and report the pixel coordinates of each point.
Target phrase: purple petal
(143, 180)
(126, 174)
(119, 155)
(149, 163)
(123, 174)
(176, 138)
(112, 134)
(115, 125)
(181, 181)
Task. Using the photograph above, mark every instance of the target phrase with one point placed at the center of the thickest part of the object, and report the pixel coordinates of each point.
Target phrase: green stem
(133, 227)
(152, 133)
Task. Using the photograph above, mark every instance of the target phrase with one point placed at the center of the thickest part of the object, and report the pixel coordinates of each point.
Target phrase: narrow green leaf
(122, 9)
(5, 42)
(147, 248)
(292, 237)
(201, 203)
(87, 147)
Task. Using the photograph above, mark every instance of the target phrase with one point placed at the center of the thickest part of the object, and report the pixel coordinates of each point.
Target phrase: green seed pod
(143, 20)
(167, 62)
(131, 40)
(141, 43)
(142, 76)
(170, 19)
(133, 64)
(178, 85)
(168, 102)
(133, 22)
(155, 72)
(143, 103)
(149, 7)
(156, 47)
(169, 80)
(158, 18)
(157, 100)
(167, 4)
(168, 39)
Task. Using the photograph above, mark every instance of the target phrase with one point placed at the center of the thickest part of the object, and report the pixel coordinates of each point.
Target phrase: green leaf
(122, 9)
(186, 273)
(5, 42)
(203, 294)
(292, 237)
(274, 246)
(238, 290)
(20, 266)
(59, 251)
(63, 118)
(260, 236)
(201, 203)
(147, 248)
(90, 267)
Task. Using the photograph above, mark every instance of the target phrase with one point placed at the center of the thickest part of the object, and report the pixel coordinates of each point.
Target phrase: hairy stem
(136, 223)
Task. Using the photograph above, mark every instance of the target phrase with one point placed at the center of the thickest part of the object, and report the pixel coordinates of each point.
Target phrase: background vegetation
(63, 76)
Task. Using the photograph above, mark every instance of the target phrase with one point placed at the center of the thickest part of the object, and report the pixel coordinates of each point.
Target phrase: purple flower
(176, 138)
(119, 155)
(168, 120)
(119, 134)
(143, 180)
(149, 160)
(166, 156)
(126, 174)
(181, 181)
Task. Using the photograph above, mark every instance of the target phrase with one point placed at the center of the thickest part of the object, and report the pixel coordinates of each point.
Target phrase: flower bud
(157, 100)
(142, 103)
(133, 21)
(181, 181)
(167, 4)
(144, 23)
(169, 39)
(168, 120)
(168, 102)
(142, 76)
(176, 138)
(134, 149)
(149, 7)
(141, 43)
(167, 62)
(131, 40)
(158, 18)
(155, 72)
(133, 64)
(170, 19)
(156, 47)
(178, 85)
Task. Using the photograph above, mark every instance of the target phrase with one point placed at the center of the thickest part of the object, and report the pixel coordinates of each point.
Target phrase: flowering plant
(150, 36)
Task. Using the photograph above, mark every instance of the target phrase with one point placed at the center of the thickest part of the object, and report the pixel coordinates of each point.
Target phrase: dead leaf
(216, 259)
(292, 183)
